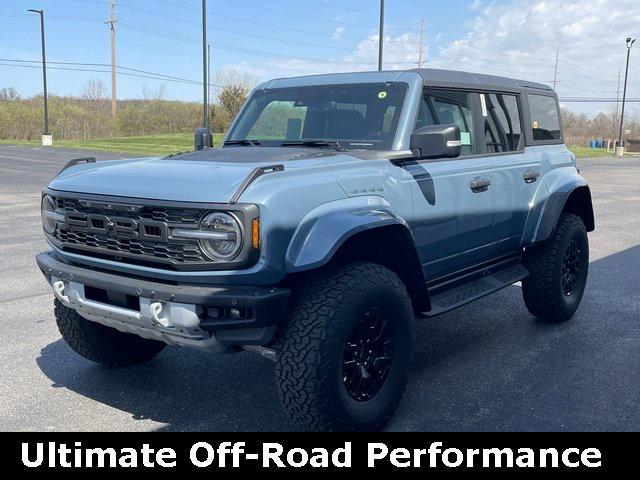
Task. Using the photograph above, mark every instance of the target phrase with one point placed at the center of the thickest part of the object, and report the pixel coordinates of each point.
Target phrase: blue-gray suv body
(339, 209)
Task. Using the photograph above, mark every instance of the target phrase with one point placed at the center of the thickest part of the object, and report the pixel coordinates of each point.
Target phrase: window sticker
(382, 95)
(465, 138)
(483, 101)
(535, 125)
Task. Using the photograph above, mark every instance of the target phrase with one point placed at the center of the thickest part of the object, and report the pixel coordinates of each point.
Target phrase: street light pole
(381, 39)
(630, 42)
(44, 74)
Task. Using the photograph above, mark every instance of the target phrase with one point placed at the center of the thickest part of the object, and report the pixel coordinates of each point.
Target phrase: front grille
(171, 215)
(139, 234)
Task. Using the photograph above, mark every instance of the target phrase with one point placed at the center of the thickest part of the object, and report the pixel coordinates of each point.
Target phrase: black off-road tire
(101, 344)
(544, 293)
(309, 366)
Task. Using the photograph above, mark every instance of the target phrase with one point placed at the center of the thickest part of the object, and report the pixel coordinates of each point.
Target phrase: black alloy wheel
(367, 356)
(571, 268)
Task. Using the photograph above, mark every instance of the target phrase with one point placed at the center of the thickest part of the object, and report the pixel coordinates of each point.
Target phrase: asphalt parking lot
(488, 366)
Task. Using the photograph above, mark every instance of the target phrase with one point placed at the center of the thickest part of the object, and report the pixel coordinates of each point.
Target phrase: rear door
(453, 208)
(516, 170)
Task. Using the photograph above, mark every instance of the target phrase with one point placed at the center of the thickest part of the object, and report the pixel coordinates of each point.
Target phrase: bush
(73, 118)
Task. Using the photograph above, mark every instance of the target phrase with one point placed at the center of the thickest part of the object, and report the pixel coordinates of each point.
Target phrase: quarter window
(502, 128)
(545, 120)
(443, 107)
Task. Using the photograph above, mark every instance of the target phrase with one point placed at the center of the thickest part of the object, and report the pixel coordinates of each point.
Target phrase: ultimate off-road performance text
(271, 455)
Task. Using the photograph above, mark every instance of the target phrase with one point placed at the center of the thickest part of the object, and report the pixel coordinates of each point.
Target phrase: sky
(516, 38)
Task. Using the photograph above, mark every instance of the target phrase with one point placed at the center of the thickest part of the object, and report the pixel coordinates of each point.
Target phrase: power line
(192, 40)
(263, 24)
(307, 17)
(54, 17)
(594, 100)
(581, 67)
(71, 66)
(228, 30)
(194, 82)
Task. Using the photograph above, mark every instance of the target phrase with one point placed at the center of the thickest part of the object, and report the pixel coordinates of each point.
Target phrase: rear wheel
(558, 271)
(346, 352)
(101, 344)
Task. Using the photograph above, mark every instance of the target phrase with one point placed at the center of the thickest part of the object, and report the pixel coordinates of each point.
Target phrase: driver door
(453, 205)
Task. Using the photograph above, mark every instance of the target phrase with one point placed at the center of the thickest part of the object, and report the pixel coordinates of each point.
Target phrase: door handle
(530, 176)
(479, 185)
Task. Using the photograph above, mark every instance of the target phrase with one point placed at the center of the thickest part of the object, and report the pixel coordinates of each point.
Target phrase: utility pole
(112, 27)
(620, 149)
(381, 39)
(555, 73)
(421, 53)
(46, 136)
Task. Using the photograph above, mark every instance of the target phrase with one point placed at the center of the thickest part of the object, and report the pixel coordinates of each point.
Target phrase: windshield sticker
(483, 101)
(465, 138)
(382, 95)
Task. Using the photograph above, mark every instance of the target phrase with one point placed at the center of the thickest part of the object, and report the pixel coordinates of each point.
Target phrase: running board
(444, 300)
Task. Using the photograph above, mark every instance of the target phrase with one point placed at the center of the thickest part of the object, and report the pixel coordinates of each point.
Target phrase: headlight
(49, 215)
(221, 236)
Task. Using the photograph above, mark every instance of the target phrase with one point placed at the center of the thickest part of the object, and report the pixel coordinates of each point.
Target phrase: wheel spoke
(367, 356)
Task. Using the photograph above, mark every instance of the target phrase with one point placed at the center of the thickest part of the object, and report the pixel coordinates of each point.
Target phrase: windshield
(354, 116)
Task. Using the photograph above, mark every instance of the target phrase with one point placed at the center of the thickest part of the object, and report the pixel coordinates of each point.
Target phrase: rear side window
(545, 120)
(502, 127)
(443, 107)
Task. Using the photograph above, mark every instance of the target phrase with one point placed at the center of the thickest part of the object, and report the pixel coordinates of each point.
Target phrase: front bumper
(207, 318)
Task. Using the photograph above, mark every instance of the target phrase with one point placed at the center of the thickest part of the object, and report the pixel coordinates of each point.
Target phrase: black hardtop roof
(430, 77)
(478, 80)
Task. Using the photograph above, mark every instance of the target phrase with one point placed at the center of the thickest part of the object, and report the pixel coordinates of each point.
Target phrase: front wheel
(346, 352)
(558, 271)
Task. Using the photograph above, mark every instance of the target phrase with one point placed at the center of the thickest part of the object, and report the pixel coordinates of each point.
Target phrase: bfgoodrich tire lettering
(309, 367)
(101, 344)
(558, 271)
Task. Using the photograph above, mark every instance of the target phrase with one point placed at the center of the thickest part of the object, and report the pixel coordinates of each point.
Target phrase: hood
(205, 176)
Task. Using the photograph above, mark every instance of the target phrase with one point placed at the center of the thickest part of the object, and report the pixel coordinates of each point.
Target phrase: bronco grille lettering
(117, 227)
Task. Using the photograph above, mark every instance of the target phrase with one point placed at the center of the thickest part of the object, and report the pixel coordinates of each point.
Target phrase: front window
(353, 117)
(444, 107)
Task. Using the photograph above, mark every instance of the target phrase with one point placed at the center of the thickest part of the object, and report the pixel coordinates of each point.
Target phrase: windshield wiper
(313, 143)
(244, 143)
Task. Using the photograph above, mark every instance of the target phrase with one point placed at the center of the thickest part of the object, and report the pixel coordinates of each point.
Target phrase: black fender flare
(576, 199)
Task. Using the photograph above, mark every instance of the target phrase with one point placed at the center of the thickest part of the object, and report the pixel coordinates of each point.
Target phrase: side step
(446, 299)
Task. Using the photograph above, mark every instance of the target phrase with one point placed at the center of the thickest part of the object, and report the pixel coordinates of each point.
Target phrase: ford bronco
(339, 209)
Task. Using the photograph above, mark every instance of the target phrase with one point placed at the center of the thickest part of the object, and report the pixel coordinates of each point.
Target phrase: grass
(157, 145)
(148, 145)
(586, 152)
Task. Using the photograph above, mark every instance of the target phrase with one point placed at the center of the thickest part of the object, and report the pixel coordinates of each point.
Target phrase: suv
(339, 209)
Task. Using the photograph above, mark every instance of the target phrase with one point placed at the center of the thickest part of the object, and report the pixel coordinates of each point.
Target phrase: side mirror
(437, 141)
